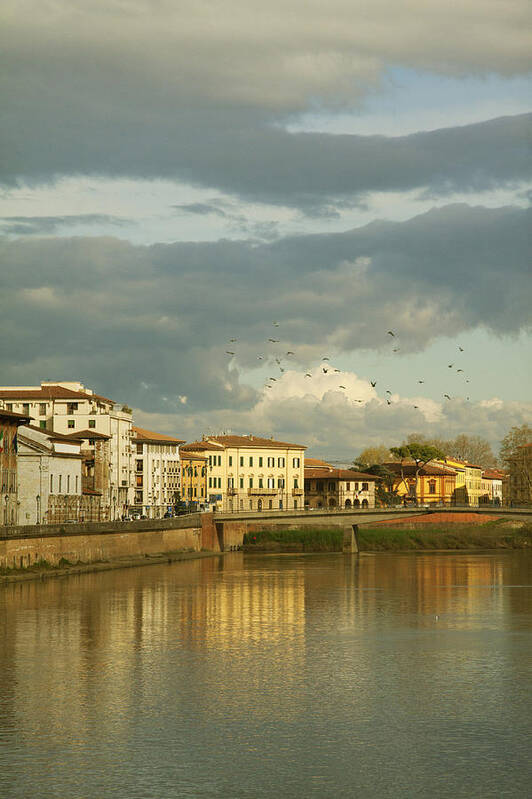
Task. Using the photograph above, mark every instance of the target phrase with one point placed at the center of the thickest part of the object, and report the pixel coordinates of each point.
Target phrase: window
(92, 422)
(230, 460)
(251, 461)
(280, 482)
(432, 486)
(139, 449)
(260, 483)
(295, 504)
(219, 460)
(250, 482)
(332, 486)
(68, 484)
(51, 484)
(260, 461)
(42, 409)
(77, 485)
(140, 480)
(210, 482)
(210, 460)
(241, 460)
(138, 497)
(42, 424)
(319, 485)
(356, 486)
(296, 463)
(280, 462)
(271, 461)
(9, 406)
(72, 407)
(251, 504)
(60, 481)
(348, 486)
(219, 482)
(241, 482)
(26, 408)
(71, 424)
(307, 485)
(296, 482)
(270, 504)
(140, 465)
(365, 487)
(271, 482)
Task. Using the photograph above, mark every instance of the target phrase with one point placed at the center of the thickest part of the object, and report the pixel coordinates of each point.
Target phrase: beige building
(492, 487)
(10, 422)
(468, 481)
(327, 487)
(157, 472)
(246, 473)
(70, 408)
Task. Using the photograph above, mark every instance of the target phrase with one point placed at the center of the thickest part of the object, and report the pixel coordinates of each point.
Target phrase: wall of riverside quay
(231, 533)
(22, 546)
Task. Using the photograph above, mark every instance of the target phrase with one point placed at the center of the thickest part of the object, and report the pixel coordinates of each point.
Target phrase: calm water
(282, 676)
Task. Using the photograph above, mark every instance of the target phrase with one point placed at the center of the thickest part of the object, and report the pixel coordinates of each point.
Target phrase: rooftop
(320, 473)
(148, 436)
(15, 417)
(409, 469)
(253, 441)
(49, 393)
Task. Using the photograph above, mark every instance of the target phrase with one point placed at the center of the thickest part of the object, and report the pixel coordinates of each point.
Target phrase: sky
(175, 176)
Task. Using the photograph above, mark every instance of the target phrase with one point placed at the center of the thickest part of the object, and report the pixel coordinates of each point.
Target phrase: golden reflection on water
(240, 638)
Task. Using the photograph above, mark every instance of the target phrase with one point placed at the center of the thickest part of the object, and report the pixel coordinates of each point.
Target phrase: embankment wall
(23, 546)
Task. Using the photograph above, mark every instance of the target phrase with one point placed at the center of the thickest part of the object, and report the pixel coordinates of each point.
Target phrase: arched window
(365, 503)
(348, 503)
(356, 503)
(332, 502)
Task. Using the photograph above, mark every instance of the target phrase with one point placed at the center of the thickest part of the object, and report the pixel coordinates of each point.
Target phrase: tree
(384, 487)
(371, 456)
(517, 456)
(474, 449)
(421, 454)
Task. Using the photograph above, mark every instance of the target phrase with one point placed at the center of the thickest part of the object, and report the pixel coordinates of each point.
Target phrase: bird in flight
(357, 400)
(232, 340)
(461, 349)
(228, 352)
(277, 361)
(273, 378)
(416, 407)
(341, 386)
(275, 324)
(260, 358)
(281, 369)
(267, 386)
(389, 402)
(274, 340)
(459, 370)
(388, 391)
(467, 381)
(450, 365)
(447, 396)
(308, 375)
(325, 371)
(391, 333)
(337, 370)
(290, 352)
(373, 383)
(420, 381)
(396, 349)
(325, 358)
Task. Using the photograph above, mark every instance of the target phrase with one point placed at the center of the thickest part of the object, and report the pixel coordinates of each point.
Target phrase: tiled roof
(199, 446)
(494, 474)
(338, 474)
(49, 393)
(409, 469)
(146, 436)
(254, 441)
(191, 456)
(316, 462)
(83, 434)
(20, 417)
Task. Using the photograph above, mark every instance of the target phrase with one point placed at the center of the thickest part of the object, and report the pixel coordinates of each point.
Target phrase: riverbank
(399, 538)
(42, 570)
(304, 539)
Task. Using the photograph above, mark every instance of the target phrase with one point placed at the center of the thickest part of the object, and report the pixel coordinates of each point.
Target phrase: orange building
(193, 476)
(434, 484)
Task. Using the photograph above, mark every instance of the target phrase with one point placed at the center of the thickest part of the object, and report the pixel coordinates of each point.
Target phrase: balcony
(297, 492)
(232, 492)
(263, 492)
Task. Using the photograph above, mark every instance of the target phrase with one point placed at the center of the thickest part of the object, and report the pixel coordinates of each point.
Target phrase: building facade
(492, 487)
(157, 472)
(246, 473)
(193, 478)
(70, 408)
(10, 422)
(468, 481)
(435, 483)
(327, 487)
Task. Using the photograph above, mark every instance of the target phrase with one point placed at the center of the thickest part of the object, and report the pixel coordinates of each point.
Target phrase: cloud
(47, 225)
(145, 322)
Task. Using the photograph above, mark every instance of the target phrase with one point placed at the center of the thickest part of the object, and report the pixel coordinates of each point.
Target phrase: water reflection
(133, 682)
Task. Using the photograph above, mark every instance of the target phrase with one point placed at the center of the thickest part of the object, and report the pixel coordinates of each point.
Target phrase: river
(245, 677)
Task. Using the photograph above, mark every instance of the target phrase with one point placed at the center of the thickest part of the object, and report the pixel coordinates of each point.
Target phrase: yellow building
(468, 481)
(252, 473)
(435, 482)
(193, 476)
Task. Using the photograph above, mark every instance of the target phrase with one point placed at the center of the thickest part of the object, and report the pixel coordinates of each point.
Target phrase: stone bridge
(225, 531)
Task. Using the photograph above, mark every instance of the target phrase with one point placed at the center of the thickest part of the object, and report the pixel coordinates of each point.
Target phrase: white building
(252, 473)
(69, 407)
(157, 472)
(49, 477)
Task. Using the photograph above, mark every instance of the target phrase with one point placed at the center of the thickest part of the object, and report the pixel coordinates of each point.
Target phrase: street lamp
(6, 498)
(38, 499)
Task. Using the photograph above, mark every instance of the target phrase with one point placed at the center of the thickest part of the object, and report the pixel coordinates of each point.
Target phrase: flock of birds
(326, 369)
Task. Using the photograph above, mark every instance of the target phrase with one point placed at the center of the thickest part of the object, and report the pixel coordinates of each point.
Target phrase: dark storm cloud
(121, 315)
(44, 225)
(241, 153)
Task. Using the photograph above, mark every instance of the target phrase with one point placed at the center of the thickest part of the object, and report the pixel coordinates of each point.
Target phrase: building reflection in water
(86, 658)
